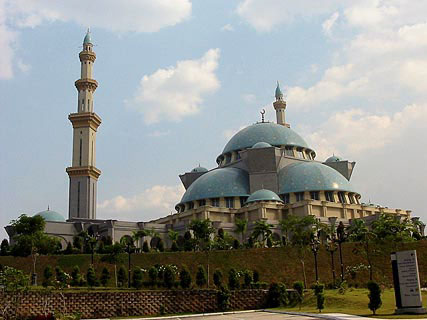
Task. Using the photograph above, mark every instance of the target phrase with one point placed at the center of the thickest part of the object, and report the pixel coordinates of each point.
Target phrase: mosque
(265, 172)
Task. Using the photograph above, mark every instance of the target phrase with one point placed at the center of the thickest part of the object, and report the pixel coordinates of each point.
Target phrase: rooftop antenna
(262, 115)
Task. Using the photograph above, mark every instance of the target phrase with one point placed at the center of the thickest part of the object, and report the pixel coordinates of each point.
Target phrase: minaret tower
(83, 172)
(280, 106)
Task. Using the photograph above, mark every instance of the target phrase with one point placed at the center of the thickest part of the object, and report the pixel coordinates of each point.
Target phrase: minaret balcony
(87, 56)
(85, 119)
(86, 84)
(88, 171)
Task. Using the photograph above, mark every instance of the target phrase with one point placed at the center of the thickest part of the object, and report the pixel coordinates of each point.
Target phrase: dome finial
(47, 207)
(278, 94)
(87, 38)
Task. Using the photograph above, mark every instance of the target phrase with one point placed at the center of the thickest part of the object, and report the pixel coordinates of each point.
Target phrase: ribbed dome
(199, 169)
(50, 215)
(311, 176)
(223, 182)
(260, 145)
(263, 195)
(272, 133)
(333, 159)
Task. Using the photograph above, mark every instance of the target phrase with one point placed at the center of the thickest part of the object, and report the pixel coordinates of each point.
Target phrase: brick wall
(101, 304)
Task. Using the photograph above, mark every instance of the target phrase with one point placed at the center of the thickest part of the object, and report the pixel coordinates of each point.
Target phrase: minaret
(83, 172)
(280, 106)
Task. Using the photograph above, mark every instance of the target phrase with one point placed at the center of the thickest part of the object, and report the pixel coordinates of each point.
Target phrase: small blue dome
(333, 159)
(50, 215)
(199, 169)
(311, 176)
(263, 195)
(260, 145)
(222, 182)
(272, 133)
(87, 38)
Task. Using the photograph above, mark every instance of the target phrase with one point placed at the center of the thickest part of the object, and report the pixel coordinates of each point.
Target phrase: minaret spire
(83, 172)
(280, 106)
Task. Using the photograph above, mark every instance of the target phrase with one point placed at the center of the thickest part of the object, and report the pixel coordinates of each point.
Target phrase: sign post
(407, 282)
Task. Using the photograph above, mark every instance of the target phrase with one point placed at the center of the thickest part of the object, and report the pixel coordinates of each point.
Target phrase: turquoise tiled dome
(311, 176)
(50, 215)
(223, 182)
(260, 145)
(199, 169)
(87, 38)
(333, 159)
(263, 195)
(272, 133)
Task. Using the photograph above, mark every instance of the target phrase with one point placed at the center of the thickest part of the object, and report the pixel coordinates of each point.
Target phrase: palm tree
(241, 227)
(287, 225)
(138, 235)
(262, 229)
(113, 257)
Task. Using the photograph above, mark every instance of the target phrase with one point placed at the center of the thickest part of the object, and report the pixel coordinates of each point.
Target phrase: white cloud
(176, 92)
(159, 133)
(117, 16)
(151, 203)
(227, 27)
(249, 97)
(330, 22)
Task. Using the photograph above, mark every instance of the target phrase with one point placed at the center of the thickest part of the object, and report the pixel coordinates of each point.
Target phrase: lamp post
(129, 249)
(331, 247)
(341, 238)
(315, 244)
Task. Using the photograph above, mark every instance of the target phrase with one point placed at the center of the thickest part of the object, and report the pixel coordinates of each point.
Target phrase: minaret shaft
(83, 172)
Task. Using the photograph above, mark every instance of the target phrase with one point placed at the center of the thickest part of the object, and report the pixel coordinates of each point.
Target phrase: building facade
(265, 172)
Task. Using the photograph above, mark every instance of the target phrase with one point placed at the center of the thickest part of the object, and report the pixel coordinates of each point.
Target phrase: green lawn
(354, 301)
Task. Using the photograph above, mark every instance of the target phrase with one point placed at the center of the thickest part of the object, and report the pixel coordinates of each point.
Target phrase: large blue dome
(223, 182)
(50, 215)
(272, 133)
(311, 176)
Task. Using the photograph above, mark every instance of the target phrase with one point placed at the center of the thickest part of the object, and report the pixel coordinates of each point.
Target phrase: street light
(341, 238)
(315, 244)
(129, 249)
(331, 247)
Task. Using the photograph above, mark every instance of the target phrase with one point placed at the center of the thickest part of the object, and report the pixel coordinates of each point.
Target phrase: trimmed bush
(374, 296)
(298, 286)
(248, 278)
(269, 242)
(76, 277)
(122, 277)
(92, 280)
(277, 295)
(256, 276)
(233, 280)
(105, 276)
(152, 274)
(47, 274)
(217, 278)
(161, 246)
(201, 278)
(145, 247)
(174, 247)
(185, 278)
(223, 299)
(236, 244)
(320, 297)
(137, 278)
(168, 277)
(61, 277)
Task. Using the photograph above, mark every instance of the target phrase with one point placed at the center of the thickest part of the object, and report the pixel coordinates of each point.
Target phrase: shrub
(248, 278)
(76, 277)
(92, 280)
(122, 277)
(236, 244)
(298, 286)
(174, 247)
(161, 246)
(168, 277)
(320, 297)
(256, 276)
(269, 242)
(145, 247)
(48, 274)
(277, 295)
(201, 278)
(69, 248)
(137, 278)
(152, 274)
(105, 276)
(374, 296)
(233, 280)
(343, 287)
(185, 278)
(223, 299)
(61, 276)
(217, 278)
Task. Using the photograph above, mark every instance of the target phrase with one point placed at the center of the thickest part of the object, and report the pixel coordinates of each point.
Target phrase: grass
(355, 302)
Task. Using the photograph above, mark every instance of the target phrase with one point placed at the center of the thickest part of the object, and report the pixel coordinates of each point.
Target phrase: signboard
(406, 279)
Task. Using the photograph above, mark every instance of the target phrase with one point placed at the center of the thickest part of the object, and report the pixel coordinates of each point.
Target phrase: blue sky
(177, 78)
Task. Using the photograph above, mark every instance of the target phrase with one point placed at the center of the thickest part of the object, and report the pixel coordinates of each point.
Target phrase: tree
(121, 277)
(76, 277)
(374, 296)
(69, 248)
(137, 278)
(174, 246)
(14, 283)
(223, 299)
(189, 244)
(287, 225)
(173, 235)
(233, 280)
(217, 278)
(61, 277)
(360, 233)
(161, 246)
(201, 279)
(114, 257)
(298, 286)
(47, 274)
(277, 295)
(262, 230)
(185, 278)
(105, 276)
(145, 247)
(202, 230)
(92, 280)
(78, 243)
(241, 227)
(168, 277)
(4, 248)
(138, 235)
